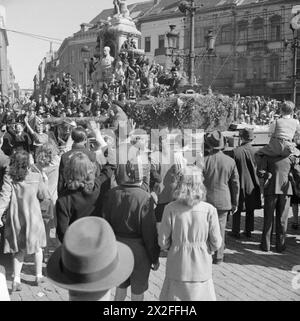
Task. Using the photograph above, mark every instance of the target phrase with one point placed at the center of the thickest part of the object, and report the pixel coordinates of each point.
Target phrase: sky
(52, 18)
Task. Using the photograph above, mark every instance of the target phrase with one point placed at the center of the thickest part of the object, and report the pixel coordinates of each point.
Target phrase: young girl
(190, 232)
(24, 227)
(47, 164)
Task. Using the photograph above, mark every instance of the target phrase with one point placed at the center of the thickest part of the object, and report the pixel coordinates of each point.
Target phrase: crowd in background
(154, 201)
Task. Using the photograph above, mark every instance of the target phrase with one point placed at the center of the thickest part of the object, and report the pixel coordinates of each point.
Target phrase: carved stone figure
(106, 64)
(121, 9)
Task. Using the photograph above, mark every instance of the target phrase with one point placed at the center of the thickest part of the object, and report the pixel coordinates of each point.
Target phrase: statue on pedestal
(121, 9)
(106, 65)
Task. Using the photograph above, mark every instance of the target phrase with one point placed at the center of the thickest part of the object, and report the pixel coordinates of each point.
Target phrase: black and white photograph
(149, 152)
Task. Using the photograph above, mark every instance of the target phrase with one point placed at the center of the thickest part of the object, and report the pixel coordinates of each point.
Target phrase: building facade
(4, 68)
(69, 55)
(47, 71)
(250, 56)
(154, 27)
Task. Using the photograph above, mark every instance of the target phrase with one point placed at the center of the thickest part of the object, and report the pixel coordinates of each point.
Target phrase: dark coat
(221, 179)
(4, 164)
(65, 158)
(249, 184)
(130, 212)
(72, 205)
(280, 168)
(7, 146)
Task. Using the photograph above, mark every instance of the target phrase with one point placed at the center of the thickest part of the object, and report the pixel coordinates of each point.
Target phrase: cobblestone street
(247, 273)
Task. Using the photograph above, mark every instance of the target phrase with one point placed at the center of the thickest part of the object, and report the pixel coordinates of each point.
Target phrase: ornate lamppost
(295, 45)
(189, 8)
(85, 54)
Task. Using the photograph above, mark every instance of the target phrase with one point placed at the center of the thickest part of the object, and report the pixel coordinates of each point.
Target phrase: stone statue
(106, 64)
(128, 44)
(121, 9)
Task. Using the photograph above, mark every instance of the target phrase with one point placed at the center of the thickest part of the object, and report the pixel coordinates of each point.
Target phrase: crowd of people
(129, 201)
(255, 110)
(138, 202)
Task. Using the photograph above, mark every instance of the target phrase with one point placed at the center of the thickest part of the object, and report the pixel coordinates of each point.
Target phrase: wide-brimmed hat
(247, 134)
(90, 259)
(215, 140)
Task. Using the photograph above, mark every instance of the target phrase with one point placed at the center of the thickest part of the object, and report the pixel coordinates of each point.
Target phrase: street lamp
(173, 37)
(85, 54)
(210, 41)
(190, 8)
(295, 44)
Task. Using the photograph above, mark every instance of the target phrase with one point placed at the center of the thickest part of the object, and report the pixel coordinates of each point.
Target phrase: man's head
(175, 73)
(215, 140)
(19, 128)
(287, 108)
(79, 135)
(247, 135)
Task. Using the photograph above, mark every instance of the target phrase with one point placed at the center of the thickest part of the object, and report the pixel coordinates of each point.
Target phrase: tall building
(47, 71)
(154, 26)
(250, 55)
(4, 69)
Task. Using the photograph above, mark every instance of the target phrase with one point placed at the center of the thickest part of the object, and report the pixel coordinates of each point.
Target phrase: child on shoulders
(283, 132)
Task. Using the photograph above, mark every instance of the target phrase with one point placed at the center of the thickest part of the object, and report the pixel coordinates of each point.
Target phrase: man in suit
(277, 193)
(221, 180)
(249, 199)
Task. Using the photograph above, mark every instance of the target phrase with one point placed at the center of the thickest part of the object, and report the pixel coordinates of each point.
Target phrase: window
(242, 69)
(198, 37)
(147, 44)
(72, 57)
(275, 28)
(242, 32)
(161, 41)
(225, 67)
(257, 68)
(80, 77)
(258, 29)
(274, 68)
(226, 34)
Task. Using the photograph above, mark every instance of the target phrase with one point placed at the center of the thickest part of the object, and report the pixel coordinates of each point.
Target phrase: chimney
(83, 27)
